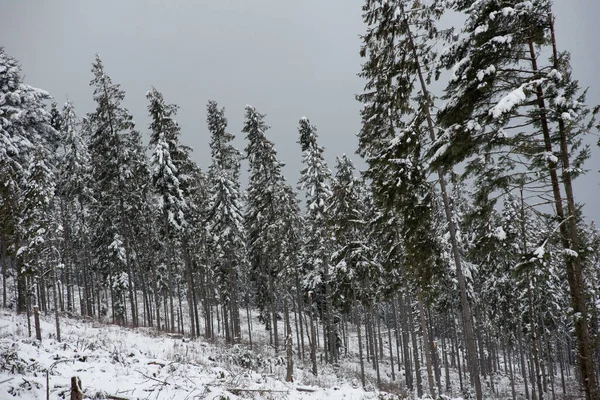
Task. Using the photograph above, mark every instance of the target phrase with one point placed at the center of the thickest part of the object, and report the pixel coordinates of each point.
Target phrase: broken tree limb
(163, 382)
(156, 363)
(238, 390)
(306, 389)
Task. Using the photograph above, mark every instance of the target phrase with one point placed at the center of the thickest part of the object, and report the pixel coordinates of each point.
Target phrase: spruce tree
(356, 262)
(315, 182)
(225, 219)
(118, 162)
(398, 121)
(517, 112)
(164, 140)
(26, 193)
(261, 219)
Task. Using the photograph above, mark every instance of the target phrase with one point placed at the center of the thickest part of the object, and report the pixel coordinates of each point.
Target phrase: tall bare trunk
(426, 342)
(464, 300)
(313, 336)
(289, 376)
(4, 261)
(357, 321)
(574, 271)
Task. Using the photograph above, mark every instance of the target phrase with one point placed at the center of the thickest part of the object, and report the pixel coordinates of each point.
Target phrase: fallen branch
(306, 389)
(163, 382)
(234, 390)
(6, 380)
(156, 363)
(154, 379)
(110, 396)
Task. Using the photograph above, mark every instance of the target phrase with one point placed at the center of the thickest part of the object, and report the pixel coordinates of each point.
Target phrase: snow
(499, 233)
(555, 74)
(141, 364)
(491, 70)
(566, 116)
(505, 39)
(570, 253)
(440, 151)
(508, 102)
(481, 29)
(539, 252)
(550, 157)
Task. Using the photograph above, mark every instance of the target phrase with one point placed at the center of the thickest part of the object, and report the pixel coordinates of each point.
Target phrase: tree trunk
(389, 329)
(289, 376)
(512, 376)
(36, 319)
(426, 342)
(300, 304)
(313, 336)
(569, 235)
(446, 364)
(190, 286)
(415, 353)
(464, 301)
(434, 353)
(296, 312)
(67, 254)
(522, 357)
(273, 312)
(375, 345)
(249, 319)
(21, 281)
(55, 298)
(561, 362)
(4, 262)
(405, 332)
(357, 321)
(329, 332)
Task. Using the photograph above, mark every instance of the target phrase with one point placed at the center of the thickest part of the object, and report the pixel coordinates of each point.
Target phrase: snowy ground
(138, 364)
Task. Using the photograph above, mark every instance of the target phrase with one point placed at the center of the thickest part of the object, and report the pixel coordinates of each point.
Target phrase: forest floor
(140, 363)
(143, 364)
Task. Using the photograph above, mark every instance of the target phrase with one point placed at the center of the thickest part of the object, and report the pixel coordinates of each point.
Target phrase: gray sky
(287, 58)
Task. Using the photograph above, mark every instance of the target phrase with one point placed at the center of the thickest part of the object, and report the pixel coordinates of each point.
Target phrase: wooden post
(36, 319)
(76, 391)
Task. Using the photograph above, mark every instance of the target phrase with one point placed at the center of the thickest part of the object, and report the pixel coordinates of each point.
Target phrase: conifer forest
(451, 258)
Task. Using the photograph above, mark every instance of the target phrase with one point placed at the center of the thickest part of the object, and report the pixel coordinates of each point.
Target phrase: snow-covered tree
(225, 219)
(262, 219)
(356, 267)
(27, 180)
(398, 122)
(164, 141)
(515, 111)
(315, 180)
(118, 161)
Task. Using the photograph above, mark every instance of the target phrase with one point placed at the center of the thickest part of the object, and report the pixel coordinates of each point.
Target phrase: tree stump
(76, 391)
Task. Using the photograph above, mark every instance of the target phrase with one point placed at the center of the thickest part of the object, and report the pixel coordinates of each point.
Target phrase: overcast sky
(287, 58)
